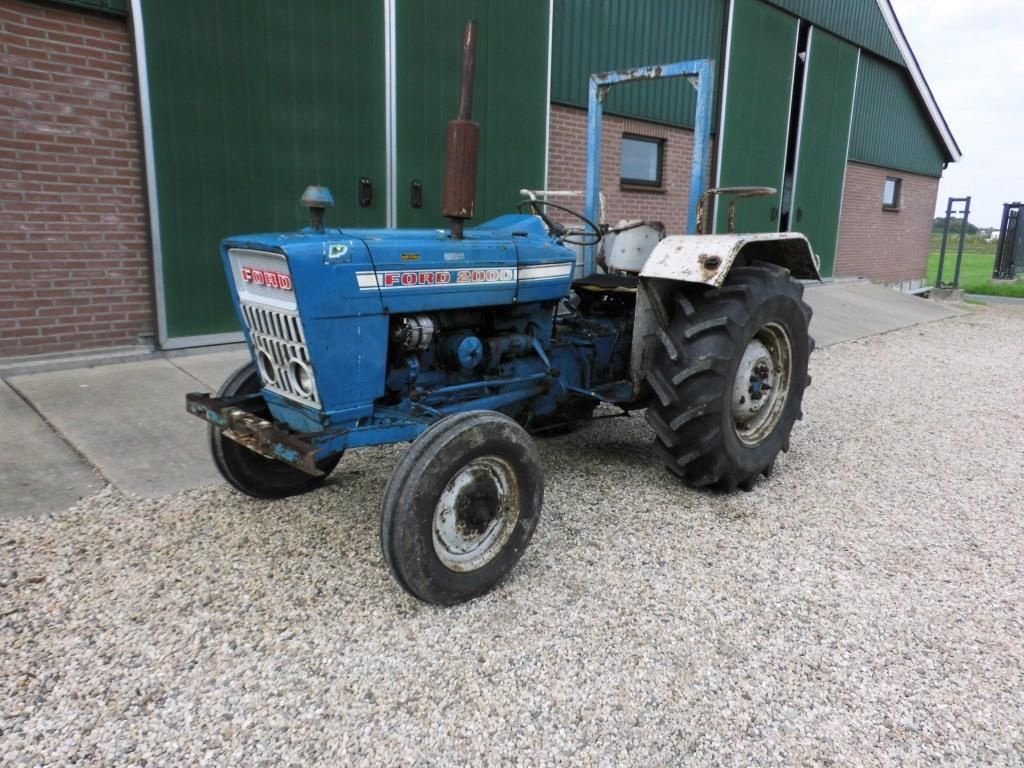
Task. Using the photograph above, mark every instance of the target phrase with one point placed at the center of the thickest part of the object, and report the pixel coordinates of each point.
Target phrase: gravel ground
(863, 606)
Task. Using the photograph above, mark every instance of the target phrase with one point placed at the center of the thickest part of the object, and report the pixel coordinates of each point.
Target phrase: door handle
(799, 214)
(365, 192)
(416, 193)
(774, 214)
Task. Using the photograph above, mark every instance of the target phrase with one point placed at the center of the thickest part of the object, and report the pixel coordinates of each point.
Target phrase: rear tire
(461, 506)
(248, 471)
(729, 377)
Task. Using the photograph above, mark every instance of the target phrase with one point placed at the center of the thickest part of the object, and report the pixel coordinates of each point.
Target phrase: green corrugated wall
(859, 21)
(600, 35)
(890, 126)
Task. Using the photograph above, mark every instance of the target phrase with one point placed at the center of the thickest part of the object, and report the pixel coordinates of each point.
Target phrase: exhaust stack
(463, 144)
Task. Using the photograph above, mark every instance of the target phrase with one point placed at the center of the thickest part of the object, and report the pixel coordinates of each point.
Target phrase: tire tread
(689, 375)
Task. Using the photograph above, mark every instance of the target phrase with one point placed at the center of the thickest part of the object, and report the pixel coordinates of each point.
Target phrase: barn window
(891, 193)
(642, 158)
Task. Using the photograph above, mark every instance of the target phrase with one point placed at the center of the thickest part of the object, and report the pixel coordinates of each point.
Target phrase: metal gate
(1010, 252)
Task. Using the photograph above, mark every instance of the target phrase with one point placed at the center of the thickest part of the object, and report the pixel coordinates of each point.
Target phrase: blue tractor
(467, 340)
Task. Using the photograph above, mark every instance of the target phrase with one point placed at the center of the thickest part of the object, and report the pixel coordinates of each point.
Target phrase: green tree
(954, 225)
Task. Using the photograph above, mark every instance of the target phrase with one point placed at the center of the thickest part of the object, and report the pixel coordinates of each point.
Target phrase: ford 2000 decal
(417, 278)
(433, 277)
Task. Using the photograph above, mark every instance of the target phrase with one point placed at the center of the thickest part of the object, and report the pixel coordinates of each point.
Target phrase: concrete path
(210, 369)
(846, 311)
(128, 420)
(39, 471)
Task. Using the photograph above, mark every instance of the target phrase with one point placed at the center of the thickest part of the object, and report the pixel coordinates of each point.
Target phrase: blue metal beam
(701, 73)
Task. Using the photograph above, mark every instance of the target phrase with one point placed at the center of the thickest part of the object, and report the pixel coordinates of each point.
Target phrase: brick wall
(881, 245)
(567, 167)
(74, 258)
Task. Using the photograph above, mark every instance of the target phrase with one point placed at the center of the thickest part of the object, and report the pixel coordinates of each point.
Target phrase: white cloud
(969, 54)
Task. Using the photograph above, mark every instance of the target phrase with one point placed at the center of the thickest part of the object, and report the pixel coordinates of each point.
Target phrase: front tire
(461, 506)
(248, 471)
(729, 377)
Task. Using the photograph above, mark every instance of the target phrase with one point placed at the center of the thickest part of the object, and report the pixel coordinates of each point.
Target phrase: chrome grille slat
(279, 335)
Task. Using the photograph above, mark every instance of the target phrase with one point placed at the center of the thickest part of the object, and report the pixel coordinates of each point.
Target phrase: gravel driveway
(863, 606)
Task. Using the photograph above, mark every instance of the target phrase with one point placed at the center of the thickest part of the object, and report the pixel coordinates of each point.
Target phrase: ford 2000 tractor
(466, 340)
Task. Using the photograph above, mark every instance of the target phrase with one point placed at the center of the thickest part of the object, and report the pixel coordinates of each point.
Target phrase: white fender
(704, 259)
(707, 259)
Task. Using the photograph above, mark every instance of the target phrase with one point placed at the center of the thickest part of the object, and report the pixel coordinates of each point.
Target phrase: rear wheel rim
(476, 514)
(761, 387)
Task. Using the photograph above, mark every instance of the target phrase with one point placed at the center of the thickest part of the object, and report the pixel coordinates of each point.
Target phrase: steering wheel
(590, 236)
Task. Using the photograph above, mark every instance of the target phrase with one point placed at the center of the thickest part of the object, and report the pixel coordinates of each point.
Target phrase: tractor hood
(326, 299)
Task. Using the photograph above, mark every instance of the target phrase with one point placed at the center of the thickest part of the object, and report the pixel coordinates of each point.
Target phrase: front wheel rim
(476, 514)
(761, 387)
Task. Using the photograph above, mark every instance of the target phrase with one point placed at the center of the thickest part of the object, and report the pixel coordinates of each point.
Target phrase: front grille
(267, 297)
(281, 352)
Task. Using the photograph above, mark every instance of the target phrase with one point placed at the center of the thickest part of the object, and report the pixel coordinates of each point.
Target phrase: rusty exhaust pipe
(463, 144)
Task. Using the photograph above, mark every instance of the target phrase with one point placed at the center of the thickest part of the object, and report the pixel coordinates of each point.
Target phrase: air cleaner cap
(317, 197)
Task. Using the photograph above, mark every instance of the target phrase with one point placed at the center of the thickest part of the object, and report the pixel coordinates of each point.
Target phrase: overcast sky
(969, 52)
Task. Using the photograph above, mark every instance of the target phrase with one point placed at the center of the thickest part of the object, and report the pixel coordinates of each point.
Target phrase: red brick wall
(74, 258)
(885, 246)
(567, 167)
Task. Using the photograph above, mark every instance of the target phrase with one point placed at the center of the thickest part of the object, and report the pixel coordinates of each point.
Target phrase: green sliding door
(758, 93)
(510, 101)
(829, 88)
(249, 103)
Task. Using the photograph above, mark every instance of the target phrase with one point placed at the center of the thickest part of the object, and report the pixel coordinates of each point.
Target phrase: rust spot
(711, 263)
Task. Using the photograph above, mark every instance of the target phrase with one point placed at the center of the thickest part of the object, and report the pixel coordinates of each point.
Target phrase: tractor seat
(607, 283)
